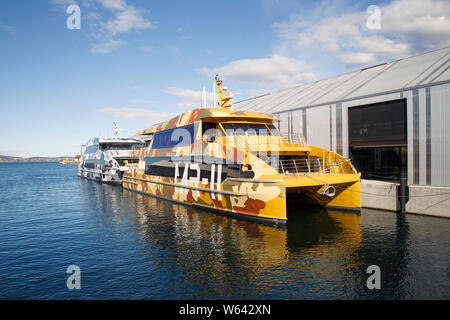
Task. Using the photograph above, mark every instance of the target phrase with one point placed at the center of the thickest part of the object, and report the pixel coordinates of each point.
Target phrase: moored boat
(67, 160)
(237, 162)
(106, 159)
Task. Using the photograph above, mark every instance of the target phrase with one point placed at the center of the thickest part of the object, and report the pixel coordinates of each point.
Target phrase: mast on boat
(116, 130)
(224, 101)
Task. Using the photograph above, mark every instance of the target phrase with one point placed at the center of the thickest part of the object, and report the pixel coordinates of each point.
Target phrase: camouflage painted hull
(263, 200)
(238, 199)
(251, 176)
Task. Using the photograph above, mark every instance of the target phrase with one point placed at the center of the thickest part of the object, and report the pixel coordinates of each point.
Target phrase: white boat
(106, 159)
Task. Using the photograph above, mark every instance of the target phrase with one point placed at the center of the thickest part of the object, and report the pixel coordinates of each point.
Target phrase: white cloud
(357, 58)
(335, 33)
(426, 23)
(407, 27)
(136, 114)
(124, 18)
(190, 98)
(114, 4)
(107, 47)
(274, 72)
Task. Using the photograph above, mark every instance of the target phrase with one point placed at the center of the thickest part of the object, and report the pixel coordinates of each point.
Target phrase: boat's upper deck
(210, 114)
(118, 148)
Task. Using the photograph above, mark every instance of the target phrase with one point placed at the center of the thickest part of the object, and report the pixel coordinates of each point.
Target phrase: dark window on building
(380, 163)
(378, 139)
(378, 124)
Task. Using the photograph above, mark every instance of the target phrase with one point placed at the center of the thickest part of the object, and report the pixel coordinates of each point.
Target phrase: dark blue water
(130, 246)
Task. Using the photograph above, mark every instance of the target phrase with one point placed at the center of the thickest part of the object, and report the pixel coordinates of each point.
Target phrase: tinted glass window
(176, 137)
(207, 126)
(274, 130)
(233, 129)
(120, 146)
(378, 124)
(92, 149)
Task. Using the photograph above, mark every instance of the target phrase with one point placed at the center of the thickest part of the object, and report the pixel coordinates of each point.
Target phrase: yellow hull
(241, 200)
(263, 200)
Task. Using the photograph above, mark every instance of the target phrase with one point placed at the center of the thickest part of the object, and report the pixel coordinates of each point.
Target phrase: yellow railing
(303, 166)
(264, 142)
(296, 139)
(253, 142)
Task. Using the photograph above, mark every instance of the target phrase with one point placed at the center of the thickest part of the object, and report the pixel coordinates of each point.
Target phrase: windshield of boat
(260, 129)
(274, 130)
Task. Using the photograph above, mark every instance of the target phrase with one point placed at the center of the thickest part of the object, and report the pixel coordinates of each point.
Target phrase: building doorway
(378, 140)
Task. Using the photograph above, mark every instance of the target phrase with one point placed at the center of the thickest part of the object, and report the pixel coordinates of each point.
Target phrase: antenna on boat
(204, 96)
(214, 95)
(116, 130)
(224, 101)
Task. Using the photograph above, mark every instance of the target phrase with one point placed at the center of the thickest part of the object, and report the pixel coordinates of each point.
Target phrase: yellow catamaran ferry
(237, 162)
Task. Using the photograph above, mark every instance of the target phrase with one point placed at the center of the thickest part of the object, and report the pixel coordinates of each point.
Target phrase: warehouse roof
(414, 72)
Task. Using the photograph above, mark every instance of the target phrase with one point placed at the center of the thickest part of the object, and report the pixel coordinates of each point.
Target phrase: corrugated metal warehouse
(388, 118)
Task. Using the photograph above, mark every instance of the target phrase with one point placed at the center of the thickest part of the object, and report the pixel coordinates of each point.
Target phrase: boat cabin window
(92, 148)
(120, 146)
(148, 140)
(274, 130)
(176, 137)
(236, 129)
(210, 131)
(207, 126)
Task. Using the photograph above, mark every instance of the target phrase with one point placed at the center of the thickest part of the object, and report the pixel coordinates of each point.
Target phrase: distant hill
(32, 159)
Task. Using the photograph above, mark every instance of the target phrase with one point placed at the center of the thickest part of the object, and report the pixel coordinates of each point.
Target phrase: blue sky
(140, 62)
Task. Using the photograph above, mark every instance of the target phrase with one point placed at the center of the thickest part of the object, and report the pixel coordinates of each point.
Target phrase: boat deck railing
(302, 166)
(329, 163)
(295, 139)
(253, 142)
